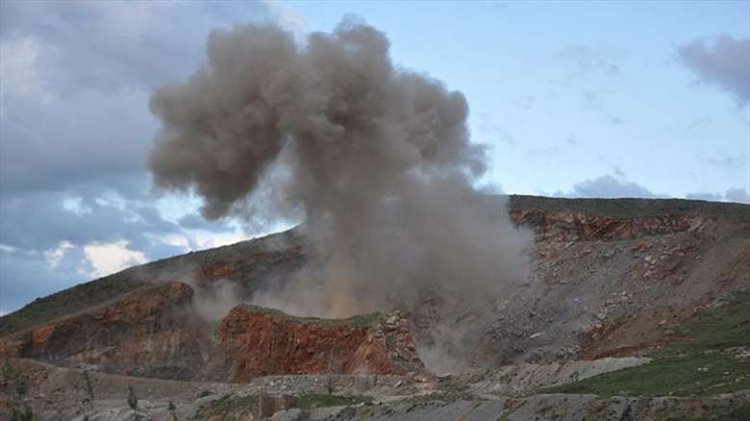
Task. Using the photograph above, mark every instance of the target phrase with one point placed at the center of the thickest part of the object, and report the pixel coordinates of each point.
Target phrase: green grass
(69, 301)
(700, 363)
(362, 320)
(307, 402)
(631, 208)
(229, 408)
(741, 413)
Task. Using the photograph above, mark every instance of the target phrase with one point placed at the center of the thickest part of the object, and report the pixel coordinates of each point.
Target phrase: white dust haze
(377, 159)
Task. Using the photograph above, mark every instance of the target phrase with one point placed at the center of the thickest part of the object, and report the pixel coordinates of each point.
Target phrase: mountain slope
(616, 278)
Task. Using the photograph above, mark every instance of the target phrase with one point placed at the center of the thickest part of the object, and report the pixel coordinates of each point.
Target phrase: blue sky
(564, 92)
(579, 99)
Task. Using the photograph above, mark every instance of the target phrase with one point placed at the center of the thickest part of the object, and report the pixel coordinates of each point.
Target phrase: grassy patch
(741, 413)
(701, 363)
(681, 376)
(307, 402)
(229, 408)
(631, 208)
(69, 301)
(362, 320)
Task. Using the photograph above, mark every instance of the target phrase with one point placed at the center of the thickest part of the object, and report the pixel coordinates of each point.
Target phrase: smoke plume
(377, 159)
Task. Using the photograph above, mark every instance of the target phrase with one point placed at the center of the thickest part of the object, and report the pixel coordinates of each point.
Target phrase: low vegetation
(312, 401)
(233, 407)
(362, 320)
(69, 301)
(17, 383)
(133, 402)
(710, 355)
(631, 207)
(229, 408)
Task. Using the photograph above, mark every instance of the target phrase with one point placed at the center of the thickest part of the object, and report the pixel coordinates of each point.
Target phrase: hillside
(641, 298)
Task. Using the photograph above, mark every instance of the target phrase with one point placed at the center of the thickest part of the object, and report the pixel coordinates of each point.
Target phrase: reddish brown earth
(144, 333)
(258, 342)
(152, 333)
(608, 278)
(580, 226)
(613, 277)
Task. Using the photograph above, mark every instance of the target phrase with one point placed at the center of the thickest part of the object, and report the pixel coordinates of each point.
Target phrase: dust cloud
(375, 158)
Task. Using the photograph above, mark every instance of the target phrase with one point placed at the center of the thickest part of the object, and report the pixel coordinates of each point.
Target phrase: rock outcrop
(152, 332)
(145, 333)
(255, 341)
(580, 226)
(610, 275)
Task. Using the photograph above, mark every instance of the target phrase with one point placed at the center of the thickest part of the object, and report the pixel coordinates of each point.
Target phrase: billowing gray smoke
(376, 157)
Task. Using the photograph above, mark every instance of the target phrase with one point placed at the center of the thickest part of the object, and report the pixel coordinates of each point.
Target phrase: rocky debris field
(607, 284)
(521, 379)
(635, 309)
(75, 394)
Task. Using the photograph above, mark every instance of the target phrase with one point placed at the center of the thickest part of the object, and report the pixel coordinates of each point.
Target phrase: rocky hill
(151, 332)
(633, 289)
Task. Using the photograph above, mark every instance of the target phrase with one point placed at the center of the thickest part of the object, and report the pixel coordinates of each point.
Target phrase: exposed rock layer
(256, 342)
(152, 333)
(145, 333)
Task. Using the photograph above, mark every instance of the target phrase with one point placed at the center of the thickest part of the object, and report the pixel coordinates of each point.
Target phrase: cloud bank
(723, 61)
(75, 132)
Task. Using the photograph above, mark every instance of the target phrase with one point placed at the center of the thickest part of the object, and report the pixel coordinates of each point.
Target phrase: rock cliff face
(580, 226)
(152, 333)
(257, 342)
(145, 333)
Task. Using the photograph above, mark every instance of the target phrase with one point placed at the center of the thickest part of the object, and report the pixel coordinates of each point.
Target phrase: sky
(575, 99)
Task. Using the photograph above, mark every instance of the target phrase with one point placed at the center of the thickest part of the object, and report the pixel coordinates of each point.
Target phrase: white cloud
(723, 61)
(7, 249)
(177, 240)
(288, 17)
(75, 80)
(711, 197)
(19, 71)
(738, 195)
(175, 206)
(206, 240)
(75, 205)
(55, 255)
(124, 19)
(108, 258)
(607, 186)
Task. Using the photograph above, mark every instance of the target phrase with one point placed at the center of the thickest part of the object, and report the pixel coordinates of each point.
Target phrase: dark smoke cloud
(724, 62)
(377, 158)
